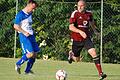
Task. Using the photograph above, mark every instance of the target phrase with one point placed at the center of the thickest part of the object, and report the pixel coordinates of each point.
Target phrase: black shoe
(70, 57)
(70, 61)
(103, 76)
(29, 73)
(17, 68)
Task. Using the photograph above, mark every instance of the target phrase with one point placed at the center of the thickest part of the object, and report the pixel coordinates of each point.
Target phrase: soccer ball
(61, 75)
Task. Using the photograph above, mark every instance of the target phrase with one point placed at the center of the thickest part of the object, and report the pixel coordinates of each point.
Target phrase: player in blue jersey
(23, 24)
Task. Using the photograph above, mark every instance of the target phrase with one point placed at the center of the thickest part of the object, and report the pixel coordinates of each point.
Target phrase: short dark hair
(33, 2)
(81, 0)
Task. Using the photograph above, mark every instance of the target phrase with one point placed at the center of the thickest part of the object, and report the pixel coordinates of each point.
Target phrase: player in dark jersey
(80, 35)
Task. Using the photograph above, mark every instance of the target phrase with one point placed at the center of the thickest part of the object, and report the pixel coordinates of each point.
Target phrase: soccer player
(23, 24)
(80, 21)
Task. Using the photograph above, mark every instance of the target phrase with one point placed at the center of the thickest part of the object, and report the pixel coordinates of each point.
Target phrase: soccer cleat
(103, 76)
(69, 60)
(29, 73)
(17, 68)
(70, 57)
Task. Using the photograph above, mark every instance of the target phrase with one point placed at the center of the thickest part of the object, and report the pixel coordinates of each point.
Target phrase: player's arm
(93, 26)
(18, 28)
(74, 29)
(17, 23)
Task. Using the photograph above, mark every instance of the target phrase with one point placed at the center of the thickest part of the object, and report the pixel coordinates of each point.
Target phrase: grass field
(45, 70)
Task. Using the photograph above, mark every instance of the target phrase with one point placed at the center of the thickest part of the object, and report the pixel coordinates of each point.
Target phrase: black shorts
(78, 45)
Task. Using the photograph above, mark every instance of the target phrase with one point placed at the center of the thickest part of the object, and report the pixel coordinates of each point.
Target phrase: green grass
(45, 70)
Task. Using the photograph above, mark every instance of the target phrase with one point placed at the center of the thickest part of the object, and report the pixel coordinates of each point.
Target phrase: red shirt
(80, 21)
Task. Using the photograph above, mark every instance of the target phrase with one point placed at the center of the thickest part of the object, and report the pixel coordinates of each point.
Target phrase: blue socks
(22, 60)
(29, 64)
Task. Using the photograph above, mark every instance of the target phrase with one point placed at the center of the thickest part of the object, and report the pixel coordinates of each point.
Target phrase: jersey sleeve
(18, 19)
(72, 19)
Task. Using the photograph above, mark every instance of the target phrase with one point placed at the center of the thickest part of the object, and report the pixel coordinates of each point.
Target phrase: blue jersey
(28, 44)
(24, 20)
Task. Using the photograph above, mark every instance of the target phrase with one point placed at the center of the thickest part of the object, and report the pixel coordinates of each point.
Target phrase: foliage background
(51, 21)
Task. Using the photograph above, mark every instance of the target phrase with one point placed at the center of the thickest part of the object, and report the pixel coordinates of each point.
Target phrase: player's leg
(29, 65)
(71, 56)
(31, 61)
(91, 50)
(24, 58)
(96, 59)
(19, 63)
(26, 50)
(74, 55)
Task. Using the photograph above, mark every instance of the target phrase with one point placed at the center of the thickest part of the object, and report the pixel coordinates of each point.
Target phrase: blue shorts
(28, 44)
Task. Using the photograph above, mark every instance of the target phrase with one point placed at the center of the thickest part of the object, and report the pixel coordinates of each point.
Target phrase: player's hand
(83, 34)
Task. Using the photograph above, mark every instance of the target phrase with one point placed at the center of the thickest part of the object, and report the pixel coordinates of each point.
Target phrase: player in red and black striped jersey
(80, 21)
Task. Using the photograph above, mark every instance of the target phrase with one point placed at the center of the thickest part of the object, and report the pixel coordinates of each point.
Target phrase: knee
(77, 59)
(34, 55)
(92, 52)
(29, 55)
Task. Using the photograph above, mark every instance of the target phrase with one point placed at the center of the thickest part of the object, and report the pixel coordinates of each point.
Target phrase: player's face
(81, 6)
(32, 7)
